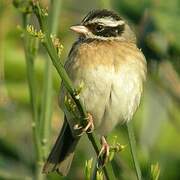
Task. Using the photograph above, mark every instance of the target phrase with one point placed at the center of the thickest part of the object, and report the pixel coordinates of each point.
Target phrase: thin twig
(30, 56)
(46, 105)
(132, 144)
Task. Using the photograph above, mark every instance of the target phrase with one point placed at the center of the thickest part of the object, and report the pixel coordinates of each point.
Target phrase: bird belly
(112, 81)
(124, 98)
(111, 97)
(96, 90)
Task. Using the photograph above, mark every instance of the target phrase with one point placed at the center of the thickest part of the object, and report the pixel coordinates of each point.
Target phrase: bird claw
(77, 127)
(90, 125)
(89, 128)
(103, 153)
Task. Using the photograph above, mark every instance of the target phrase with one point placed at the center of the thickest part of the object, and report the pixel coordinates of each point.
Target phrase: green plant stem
(94, 172)
(54, 16)
(61, 71)
(132, 144)
(30, 52)
(39, 174)
(46, 105)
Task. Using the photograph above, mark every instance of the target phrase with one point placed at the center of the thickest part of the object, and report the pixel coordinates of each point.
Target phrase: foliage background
(157, 122)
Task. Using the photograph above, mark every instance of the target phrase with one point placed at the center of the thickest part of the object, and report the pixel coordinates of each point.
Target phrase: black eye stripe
(106, 31)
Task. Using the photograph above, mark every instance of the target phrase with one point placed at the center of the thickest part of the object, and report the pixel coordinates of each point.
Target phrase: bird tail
(61, 156)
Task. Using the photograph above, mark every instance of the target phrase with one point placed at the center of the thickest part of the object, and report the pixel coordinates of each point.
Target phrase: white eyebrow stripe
(107, 22)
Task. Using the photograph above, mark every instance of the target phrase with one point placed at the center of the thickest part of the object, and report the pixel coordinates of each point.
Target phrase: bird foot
(103, 153)
(90, 125)
(89, 128)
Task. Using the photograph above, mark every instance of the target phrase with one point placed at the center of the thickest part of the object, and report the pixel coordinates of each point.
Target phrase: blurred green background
(156, 123)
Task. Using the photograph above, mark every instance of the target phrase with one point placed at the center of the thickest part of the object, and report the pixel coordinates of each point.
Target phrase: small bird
(112, 68)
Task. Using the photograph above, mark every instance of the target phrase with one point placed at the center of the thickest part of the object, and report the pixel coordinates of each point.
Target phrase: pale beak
(80, 29)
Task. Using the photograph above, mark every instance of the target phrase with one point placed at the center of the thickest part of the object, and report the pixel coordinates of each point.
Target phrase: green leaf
(155, 171)
(88, 168)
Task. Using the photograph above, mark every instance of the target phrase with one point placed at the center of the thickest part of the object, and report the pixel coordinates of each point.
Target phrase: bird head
(104, 25)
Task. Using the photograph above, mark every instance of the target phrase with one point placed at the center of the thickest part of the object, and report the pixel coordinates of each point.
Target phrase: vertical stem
(39, 175)
(94, 172)
(3, 90)
(54, 16)
(132, 143)
(47, 91)
(30, 44)
(31, 84)
(46, 107)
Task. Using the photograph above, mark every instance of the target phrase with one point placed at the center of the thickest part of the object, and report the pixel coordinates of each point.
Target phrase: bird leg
(103, 153)
(89, 128)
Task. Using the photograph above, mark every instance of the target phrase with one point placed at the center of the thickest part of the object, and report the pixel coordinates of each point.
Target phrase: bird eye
(99, 28)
